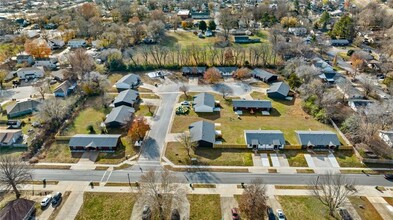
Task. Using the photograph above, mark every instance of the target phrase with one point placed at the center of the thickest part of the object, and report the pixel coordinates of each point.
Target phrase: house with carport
(264, 139)
(94, 142)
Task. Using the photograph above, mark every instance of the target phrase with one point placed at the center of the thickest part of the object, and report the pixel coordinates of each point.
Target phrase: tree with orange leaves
(356, 62)
(37, 49)
(88, 10)
(212, 76)
(138, 128)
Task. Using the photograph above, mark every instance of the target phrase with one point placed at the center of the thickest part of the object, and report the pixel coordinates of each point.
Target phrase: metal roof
(96, 140)
(204, 99)
(279, 87)
(203, 131)
(128, 96)
(130, 79)
(317, 138)
(121, 114)
(262, 73)
(22, 106)
(241, 103)
(274, 137)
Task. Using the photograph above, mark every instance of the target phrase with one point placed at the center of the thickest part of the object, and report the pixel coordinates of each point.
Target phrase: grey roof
(261, 73)
(275, 137)
(96, 140)
(121, 114)
(130, 79)
(241, 103)
(16, 209)
(347, 87)
(22, 106)
(203, 131)
(128, 96)
(193, 69)
(23, 56)
(59, 73)
(315, 138)
(226, 69)
(339, 41)
(279, 87)
(204, 99)
(64, 86)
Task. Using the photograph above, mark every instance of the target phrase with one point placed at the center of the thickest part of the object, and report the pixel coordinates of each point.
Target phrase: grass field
(286, 116)
(149, 96)
(204, 207)
(186, 38)
(295, 158)
(368, 211)
(106, 206)
(59, 152)
(303, 208)
(142, 110)
(12, 151)
(347, 158)
(176, 153)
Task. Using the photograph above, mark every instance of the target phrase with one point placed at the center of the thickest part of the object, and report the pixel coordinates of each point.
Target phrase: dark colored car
(389, 176)
(175, 215)
(56, 198)
(146, 213)
(235, 214)
(345, 214)
(270, 214)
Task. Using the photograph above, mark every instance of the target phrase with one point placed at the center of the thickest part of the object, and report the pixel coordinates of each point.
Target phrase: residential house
(94, 142)
(264, 139)
(387, 137)
(27, 59)
(59, 75)
(264, 75)
(18, 209)
(347, 89)
(245, 40)
(318, 139)
(77, 43)
(298, 31)
(226, 70)
(278, 90)
(193, 71)
(50, 63)
(359, 104)
(252, 105)
(129, 81)
(184, 14)
(119, 116)
(56, 44)
(127, 97)
(65, 89)
(204, 102)
(202, 15)
(21, 108)
(30, 73)
(204, 133)
(339, 42)
(8, 137)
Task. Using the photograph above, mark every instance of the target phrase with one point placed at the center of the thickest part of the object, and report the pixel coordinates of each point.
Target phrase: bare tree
(252, 202)
(185, 139)
(332, 190)
(53, 111)
(81, 64)
(13, 172)
(150, 106)
(160, 192)
(184, 88)
(227, 21)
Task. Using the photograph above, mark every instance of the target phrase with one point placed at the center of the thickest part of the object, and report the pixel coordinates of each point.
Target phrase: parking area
(326, 161)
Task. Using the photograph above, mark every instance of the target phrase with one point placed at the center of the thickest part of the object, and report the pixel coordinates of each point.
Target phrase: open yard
(106, 206)
(347, 158)
(176, 153)
(204, 207)
(59, 152)
(303, 207)
(296, 158)
(143, 110)
(186, 38)
(126, 149)
(286, 116)
(368, 211)
(14, 151)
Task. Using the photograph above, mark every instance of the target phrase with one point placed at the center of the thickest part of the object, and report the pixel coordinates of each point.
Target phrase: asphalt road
(198, 177)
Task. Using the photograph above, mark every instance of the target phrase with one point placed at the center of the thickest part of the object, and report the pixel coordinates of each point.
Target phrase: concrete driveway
(383, 207)
(227, 203)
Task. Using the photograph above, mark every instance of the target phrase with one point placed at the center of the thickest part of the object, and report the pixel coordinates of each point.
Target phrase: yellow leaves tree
(356, 62)
(138, 129)
(37, 49)
(212, 76)
(287, 22)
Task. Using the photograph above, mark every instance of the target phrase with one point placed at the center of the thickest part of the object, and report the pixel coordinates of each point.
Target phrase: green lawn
(303, 208)
(142, 110)
(126, 149)
(93, 114)
(295, 158)
(347, 158)
(286, 116)
(17, 151)
(176, 153)
(204, 207)
(186, 38)
(368, 211)
(149, 96)
(59, 152)
(106, 206)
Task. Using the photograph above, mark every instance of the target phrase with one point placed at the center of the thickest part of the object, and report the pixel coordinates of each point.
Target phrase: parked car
(45, 201)
(56, 198)
(235, 214)
(389, 176)
(280, 214)
(146, 213)
(270, 214)
(185, 103)
(345, 214)
(175, 215)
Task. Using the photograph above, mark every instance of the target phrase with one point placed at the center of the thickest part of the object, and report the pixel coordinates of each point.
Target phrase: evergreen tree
(202, 26)
(212, 25)
(344, 28)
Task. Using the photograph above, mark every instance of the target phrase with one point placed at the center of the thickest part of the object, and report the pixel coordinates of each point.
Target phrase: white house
(50, 63)
(76, 43)
(30, 72)
(9, 137)
(387, 137)
(56, 44)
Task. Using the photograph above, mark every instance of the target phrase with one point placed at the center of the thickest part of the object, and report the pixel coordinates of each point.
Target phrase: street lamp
(32, 183)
